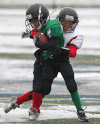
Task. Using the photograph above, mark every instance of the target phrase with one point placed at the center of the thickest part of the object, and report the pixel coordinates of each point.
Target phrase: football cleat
(81, 116)
(12, 105)
(33, 114)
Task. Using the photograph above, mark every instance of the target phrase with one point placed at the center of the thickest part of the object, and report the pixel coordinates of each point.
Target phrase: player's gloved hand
(63, 51)
(50, 46)
(26, 34)
(37, 43)
(33, 32)
(43, 46)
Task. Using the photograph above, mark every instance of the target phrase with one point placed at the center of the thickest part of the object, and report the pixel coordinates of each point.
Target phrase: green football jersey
(53, 28)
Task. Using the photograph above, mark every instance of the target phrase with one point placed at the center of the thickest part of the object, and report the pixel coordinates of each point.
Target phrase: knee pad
(46, 86)
(37, 86)
(71, 84)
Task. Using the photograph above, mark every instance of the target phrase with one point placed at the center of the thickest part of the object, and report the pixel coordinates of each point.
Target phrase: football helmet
(36, 11)
(68, 14)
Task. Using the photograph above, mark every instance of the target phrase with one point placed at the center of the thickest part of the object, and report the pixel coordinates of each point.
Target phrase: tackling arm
(74, 44)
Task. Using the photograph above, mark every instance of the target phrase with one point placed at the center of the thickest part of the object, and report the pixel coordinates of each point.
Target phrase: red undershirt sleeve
(73, 51)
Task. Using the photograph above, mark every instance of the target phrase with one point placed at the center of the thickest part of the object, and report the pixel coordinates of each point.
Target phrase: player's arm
(28, 34)
(50, 46)
(54, 36)
(73, 51)
(75, 44)
(72, 46)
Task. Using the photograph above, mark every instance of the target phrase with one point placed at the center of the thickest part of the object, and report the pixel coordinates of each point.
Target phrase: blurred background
(17, 58)
(50, 3)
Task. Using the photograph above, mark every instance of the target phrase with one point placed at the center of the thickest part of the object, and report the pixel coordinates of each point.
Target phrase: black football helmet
(36, 11)
(67, 14)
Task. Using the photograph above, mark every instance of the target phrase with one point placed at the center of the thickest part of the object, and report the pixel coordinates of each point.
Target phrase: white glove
(26, 34)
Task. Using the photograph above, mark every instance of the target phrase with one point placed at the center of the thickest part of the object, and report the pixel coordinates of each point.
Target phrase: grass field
(46, 105)
(16, 68)
(87, 58)
(59, 121)
(16, 56)
(82, 58)
(64, 121)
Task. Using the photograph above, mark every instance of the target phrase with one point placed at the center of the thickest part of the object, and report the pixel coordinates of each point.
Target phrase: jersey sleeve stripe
(71, 40)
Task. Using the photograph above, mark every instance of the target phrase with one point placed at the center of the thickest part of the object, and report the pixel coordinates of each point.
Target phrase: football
(42, 38)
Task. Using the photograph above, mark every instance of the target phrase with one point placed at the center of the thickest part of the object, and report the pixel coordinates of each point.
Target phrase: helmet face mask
(68, 14)
(39, 12)
(68, 26)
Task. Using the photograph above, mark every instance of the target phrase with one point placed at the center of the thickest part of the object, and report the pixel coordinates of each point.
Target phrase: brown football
(42, 38)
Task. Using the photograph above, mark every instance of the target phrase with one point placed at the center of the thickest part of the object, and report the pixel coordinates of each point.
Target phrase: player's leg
(49, 73)
(68, 75)
(16, 101)
(37, 84)
(46, 81)
(36, 94)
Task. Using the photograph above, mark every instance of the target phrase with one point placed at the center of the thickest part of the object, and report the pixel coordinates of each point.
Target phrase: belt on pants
(58, 58)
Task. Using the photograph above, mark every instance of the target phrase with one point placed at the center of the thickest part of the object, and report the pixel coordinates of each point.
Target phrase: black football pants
(50, 71)
(45, 74)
